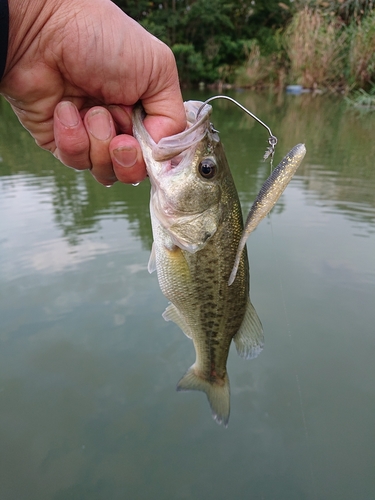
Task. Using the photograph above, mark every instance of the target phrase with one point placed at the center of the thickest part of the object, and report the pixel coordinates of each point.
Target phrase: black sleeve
(4, 33)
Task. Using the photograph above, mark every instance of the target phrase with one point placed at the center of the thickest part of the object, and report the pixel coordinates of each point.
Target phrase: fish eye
(207, 168)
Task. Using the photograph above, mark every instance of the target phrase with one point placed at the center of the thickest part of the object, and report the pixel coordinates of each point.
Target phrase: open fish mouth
(174, 163)
(171, 147)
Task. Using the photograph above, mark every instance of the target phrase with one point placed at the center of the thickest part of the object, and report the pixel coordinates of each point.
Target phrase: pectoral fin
(249, 339)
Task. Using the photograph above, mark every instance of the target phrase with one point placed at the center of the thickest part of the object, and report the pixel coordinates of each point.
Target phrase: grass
(326, 45)
(362, 52)
(255, 70)
(314, 44)
(362, 100)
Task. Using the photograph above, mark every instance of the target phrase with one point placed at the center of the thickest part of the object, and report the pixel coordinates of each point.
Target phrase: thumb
(165, 118)
(165, 111)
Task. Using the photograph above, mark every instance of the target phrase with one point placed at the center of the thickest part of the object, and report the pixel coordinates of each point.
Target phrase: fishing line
(289, 332)
(272, 140)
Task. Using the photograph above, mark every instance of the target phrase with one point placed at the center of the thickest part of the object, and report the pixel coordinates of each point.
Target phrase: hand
(74, 70)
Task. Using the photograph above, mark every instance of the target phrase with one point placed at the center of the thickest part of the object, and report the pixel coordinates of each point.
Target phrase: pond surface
(88, 367)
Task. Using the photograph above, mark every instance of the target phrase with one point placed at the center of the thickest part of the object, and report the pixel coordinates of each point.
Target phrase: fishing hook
(272, 140)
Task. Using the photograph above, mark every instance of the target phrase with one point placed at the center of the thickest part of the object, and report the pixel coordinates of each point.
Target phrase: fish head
(187, 173)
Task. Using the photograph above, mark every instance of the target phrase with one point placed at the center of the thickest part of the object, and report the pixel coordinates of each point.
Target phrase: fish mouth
(171, 147)
(173, 163)
(173, 153)
(176, 160)
(177, 163)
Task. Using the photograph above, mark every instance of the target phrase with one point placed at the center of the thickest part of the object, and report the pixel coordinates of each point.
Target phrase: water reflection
(340, 148)
(88, 366)
(338, 167)
(79, 203)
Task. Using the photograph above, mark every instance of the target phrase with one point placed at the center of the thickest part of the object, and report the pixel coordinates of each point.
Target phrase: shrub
(314, 44)
(362, 52)
(258, 70)
(189, 62)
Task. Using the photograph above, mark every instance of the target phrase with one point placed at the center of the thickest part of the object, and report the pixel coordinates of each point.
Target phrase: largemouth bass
(197, 227)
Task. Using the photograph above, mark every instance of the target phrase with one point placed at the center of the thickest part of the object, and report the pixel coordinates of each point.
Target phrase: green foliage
(190, 63)
(361, 61)
(317, 43)
(208, 36)
(314, 45)
(363, 100)
(255, 70)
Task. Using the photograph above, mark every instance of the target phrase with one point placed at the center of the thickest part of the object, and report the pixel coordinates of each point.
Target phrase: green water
(88, 367)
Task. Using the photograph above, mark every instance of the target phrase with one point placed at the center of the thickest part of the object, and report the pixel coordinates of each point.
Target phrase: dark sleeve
(4, 33)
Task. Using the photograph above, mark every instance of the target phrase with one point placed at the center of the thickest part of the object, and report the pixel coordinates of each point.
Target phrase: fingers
(126, 154)
(92, 143)
(100, 127)
(150, 72)
(85, 144)
(71, 138)
(127, 159)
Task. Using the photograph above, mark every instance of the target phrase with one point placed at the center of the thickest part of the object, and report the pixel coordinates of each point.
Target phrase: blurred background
(321, 45)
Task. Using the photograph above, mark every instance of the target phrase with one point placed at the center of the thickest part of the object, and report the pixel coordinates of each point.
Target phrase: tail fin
(218, 393)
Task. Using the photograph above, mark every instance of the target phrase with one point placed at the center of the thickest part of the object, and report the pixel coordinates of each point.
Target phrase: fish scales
(196, 283)
(197, 228)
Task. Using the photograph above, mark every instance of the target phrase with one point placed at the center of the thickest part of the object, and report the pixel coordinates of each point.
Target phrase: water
(88, 367)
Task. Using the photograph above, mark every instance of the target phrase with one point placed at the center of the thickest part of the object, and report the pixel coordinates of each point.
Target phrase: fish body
(199, 249)
(197, 225)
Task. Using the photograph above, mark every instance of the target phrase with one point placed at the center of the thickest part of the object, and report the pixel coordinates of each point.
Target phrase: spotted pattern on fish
(197, 227)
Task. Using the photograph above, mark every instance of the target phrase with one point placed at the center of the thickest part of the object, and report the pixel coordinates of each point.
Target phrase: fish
(197, 228)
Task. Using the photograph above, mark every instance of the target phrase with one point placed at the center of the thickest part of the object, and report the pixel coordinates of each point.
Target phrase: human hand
(75, 69)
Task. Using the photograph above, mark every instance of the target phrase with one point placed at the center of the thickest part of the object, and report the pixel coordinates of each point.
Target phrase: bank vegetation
(319, 45)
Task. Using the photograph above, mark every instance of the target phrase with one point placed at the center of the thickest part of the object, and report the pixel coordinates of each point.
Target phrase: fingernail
(99, 124)
(68, 114)
(126, 156)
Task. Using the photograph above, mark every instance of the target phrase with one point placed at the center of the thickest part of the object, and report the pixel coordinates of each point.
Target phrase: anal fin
(249, 339)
